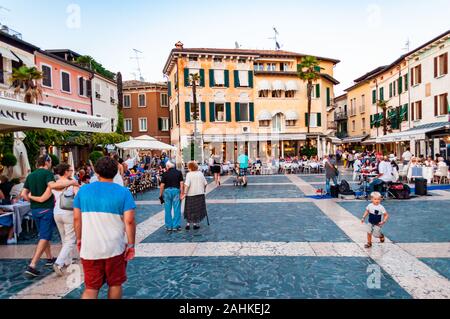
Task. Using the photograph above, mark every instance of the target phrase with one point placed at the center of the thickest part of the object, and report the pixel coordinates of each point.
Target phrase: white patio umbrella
(319, 148)
(145, 142)
(22, 168)
(71, 162)
(324, 147)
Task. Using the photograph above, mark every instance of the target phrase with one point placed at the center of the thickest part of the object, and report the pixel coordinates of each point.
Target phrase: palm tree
(26, 78)
(309, 72)
(194, 79)
(383, 105)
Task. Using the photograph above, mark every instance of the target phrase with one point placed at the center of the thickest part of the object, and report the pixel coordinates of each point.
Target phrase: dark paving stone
(253, 278)
(144, 212)
(412, 221)
(441, 265)
(279, 222)
(13, 279)
(256, 191)
(321, 178)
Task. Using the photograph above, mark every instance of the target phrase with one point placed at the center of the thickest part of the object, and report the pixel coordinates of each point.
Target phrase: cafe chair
(441, 175)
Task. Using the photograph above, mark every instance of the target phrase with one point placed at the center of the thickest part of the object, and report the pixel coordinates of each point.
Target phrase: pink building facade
(64, 85)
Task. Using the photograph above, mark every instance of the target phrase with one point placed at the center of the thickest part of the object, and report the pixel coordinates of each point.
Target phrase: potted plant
(9, 160)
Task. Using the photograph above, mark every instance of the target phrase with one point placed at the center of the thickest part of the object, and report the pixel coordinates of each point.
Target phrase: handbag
(66, 202)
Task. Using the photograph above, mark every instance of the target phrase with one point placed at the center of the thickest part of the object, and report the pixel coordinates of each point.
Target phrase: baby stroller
(239, 178)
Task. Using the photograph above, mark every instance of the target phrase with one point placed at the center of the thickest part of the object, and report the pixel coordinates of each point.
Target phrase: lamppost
(194, 78)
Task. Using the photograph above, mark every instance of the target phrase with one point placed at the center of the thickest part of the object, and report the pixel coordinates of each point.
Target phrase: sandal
(367, 245)
(382, 239)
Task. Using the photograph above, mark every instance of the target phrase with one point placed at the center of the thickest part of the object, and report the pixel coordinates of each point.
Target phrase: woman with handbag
(63, 214)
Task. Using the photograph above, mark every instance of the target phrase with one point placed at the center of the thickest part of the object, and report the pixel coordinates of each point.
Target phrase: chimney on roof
(179, 45)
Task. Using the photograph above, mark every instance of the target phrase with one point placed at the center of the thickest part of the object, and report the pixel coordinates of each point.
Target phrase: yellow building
(249, 101)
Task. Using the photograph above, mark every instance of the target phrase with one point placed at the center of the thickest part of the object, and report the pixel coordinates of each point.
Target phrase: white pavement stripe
(258, 200)
(419, 280)
(237, 249)
(427, 250)
(305, 187)
(259, 184)
(148, 202)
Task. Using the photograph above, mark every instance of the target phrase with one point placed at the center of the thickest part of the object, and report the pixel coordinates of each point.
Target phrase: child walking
(378, 216)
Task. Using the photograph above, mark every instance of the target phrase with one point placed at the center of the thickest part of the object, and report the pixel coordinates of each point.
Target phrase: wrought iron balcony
(340, 116)
(342, 134)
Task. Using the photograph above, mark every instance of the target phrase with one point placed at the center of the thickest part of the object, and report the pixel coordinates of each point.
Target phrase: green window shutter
(212, 113)
(390, 90)
(306, 119)
(203, 111)
(211, 78)
(382, 94)
(236, 79)
(202, 77)
(160, 124)
(238, 113)
(227, 78)
(186, 77)
(228, 107)
(400, 85)
(187, 109)
(317, 90)
(328, 97)
(169, 89)
(250, 79)
(252, 112)
(319, 119)
(406, 110)
(317, 68)
(374, 97)
(406, 82)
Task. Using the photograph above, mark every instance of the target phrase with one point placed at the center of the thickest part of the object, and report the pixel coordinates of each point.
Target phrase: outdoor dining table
(19, 210)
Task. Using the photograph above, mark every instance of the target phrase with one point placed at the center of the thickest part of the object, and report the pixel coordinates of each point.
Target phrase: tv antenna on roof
(275, 38)
(138, 58)
(237, 45)
(407, 45)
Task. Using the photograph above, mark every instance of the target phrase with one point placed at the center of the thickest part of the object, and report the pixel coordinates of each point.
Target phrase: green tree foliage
(89, 62)
(9, 160)
(95, 156)
(55, 160)
(25, 78)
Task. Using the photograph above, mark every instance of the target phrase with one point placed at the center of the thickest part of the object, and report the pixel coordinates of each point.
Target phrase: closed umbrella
(22, 168)
(71, 162)
(319, 147)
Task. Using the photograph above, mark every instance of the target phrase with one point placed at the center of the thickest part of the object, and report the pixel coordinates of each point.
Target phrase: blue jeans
(327, 184)
(376, 182)
(172, 200)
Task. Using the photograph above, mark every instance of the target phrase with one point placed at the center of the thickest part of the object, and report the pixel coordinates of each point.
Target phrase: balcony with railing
(340, 116)
(342, 135)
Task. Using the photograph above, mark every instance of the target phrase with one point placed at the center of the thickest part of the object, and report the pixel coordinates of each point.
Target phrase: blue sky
(362, 34)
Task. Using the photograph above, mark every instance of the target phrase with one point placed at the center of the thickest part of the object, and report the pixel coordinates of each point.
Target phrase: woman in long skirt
(194, 192)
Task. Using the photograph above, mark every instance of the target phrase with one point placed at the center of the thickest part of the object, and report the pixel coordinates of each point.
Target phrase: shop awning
(416, 133)
(354, 139)
(291, 115)
(145, 142)
(264, 85)
(278, 85)
(264, 115)
(28, 61)
(6, 53)
(19, 116)
(335, 140)
(369, 141)
(291, 86)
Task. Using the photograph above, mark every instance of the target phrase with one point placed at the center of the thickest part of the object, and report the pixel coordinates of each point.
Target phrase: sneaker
(58, 270)
(33, 272)
(367, 245)
(196, 227)
(169, 230)
(178, 229)
(12, 241)
(50, 262)
(382, 239)
(188, 227)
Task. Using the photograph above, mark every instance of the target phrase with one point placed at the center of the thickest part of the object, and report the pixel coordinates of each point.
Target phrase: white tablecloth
(19, 211)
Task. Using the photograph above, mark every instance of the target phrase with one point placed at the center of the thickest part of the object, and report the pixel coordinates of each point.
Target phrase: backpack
(345, 189)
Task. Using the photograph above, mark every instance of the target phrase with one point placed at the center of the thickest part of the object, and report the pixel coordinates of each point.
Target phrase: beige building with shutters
(249, 101)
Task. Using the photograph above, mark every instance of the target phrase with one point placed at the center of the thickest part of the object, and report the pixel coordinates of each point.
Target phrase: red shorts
(112, 271)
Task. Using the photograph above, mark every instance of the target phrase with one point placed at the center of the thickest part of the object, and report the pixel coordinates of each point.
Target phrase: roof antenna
(407, 44)
(237, 45)
(275, 38)
(138, 58)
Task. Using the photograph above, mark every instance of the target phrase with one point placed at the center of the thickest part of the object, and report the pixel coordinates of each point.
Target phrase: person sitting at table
(5, 190)
(385, 174)
(6, 222)
(429, 162)
(357, 166)
(441, 162)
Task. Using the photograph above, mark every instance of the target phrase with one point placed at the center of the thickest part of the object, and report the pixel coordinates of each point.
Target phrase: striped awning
(264, 85)
(6, 53)
(291, 86)
(278, 85)
(291, 115)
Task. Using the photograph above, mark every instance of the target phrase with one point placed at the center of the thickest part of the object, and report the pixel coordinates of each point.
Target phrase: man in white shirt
(406, 156)
(385, 174)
